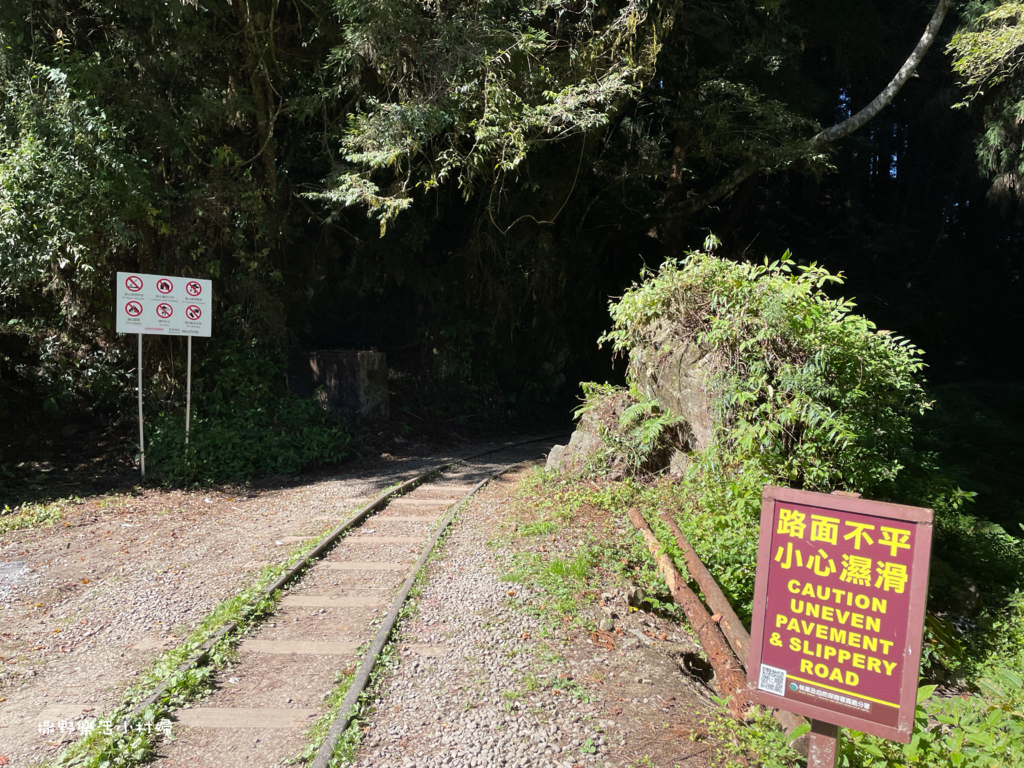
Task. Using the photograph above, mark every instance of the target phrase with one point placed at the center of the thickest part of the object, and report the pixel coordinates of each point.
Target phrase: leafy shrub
(243, 427)
(804, 392)
(803, 389)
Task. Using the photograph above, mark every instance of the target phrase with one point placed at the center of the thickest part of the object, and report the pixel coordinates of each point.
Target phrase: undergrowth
(802, 392)
(32, 515)
(243, 426)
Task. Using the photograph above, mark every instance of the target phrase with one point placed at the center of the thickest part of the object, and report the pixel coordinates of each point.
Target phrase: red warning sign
(193, 288)
(164, 310)
(133, 308)
(133, 283)
(839, 605)
(192, 312)
(164, 286)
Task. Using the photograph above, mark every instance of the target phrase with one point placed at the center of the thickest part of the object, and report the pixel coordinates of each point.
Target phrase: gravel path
(88, 603)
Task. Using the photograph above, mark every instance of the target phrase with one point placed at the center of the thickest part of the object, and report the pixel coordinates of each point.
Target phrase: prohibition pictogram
(164, 310)
(193, 288)
(164, 286)
(133, 308)
(133, 283)
(192, 312)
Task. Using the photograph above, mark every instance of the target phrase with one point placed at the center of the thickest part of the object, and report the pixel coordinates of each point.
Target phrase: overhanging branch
(838, 131)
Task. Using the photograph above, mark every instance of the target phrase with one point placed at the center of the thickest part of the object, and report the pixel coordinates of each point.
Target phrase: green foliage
(71, 193)
(969, 731)
(31, 515)
(988, 50)
(760, 740)
(243, 426)
(805, 391)
(644, 433)
(493, 84)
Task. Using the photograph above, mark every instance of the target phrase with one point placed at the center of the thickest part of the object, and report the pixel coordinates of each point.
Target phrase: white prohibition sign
(164, 286)
(133, 283)
(164, 310)
(192, 312)
(193, 288)
(133, 308)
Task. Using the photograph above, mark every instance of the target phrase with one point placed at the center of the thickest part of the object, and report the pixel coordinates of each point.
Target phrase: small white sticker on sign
(163, 305)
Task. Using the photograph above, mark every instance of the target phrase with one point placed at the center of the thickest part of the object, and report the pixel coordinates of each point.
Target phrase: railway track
(337, 607)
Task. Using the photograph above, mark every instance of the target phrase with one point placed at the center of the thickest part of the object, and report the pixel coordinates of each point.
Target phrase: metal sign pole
(142, 441)
(188, 389)
(823, 750)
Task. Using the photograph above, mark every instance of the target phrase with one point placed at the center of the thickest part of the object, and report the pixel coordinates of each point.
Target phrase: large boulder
(587, 450)
(673, 373)
(676, 376)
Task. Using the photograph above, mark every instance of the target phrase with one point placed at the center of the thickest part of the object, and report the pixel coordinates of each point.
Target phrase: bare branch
(888, 93)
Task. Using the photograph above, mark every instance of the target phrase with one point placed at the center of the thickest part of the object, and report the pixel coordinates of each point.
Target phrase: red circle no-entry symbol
(133, 308)
(133, 283)
(193, 288)
(164, 285)
(164, 310)
(192, 312)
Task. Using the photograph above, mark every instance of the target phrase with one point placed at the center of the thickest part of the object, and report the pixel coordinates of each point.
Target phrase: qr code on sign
(773, 680)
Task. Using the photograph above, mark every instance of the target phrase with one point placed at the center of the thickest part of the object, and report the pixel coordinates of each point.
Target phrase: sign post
(839, 604)
(164, 306)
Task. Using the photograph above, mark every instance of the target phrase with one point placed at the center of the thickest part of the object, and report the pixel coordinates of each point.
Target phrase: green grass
(31, 515)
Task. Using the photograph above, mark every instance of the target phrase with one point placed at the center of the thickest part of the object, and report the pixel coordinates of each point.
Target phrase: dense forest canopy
(464, 185)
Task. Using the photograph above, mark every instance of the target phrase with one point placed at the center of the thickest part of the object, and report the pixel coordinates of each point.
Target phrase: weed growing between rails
(132, 737)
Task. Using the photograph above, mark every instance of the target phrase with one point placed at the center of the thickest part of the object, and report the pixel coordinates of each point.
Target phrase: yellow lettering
(839, 595)
(830, 652)
(796, 606)
(806, 667)
(821, 632)
(808, 590)
(857, 620)
(808, 627)
(837, 675)
(886, 645)
(794, 644)
(837, 635)
(780, 620)
(844, 656)
(821, 670)
(843, 616)
(811, 610)
(874, 624)
(854, 638)
(793, 586)
(874, 665)
(828, 614)
(861, 601)
(889, 666)
(858, 661)
(878, 604)
(793, 626)
(869, 643)
(852, 678)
